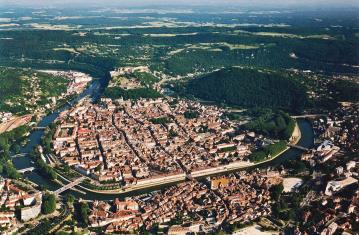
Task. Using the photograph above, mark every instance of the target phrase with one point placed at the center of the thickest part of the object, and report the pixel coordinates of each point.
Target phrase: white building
(335, 186)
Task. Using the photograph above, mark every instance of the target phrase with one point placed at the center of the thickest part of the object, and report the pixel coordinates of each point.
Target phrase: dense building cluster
(12, 198)
(341, 126)
(205, 206)
(334, 206)
(132, 142)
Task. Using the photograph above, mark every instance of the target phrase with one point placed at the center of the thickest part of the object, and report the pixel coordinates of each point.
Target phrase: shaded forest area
(250, 88)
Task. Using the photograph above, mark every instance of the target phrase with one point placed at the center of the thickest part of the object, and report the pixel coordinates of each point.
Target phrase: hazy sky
(119, 3)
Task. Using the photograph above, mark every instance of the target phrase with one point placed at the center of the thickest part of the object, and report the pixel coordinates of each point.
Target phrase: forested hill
(251, 88)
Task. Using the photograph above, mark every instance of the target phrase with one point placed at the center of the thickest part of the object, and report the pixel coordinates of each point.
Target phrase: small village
(77, 82)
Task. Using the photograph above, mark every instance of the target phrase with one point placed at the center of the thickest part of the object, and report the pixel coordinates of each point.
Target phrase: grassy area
(268, 151)
(86, 183)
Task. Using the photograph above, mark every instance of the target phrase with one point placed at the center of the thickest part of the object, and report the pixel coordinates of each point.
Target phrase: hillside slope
(250, 88)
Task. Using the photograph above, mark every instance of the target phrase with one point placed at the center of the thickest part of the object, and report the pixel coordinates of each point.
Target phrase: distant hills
(251, 88)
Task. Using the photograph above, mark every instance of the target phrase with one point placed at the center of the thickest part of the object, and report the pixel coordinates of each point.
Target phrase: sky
(127, 3)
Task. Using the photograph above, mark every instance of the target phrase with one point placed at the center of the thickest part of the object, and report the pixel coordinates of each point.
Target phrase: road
(308, 116)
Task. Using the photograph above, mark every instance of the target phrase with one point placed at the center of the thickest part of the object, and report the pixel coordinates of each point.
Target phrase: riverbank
(239, 165)
(294, 139)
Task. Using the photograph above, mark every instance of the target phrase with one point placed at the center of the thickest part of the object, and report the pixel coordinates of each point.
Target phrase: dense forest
(250, 88)
(345, 90)
(183, 50)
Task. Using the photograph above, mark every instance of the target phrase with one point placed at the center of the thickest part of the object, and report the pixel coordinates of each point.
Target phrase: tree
(82, 213)
(98, 168)
(85, 212)
(276, 191)
(172, 133)
(16, 148)
(299, 167)
(160, 120)
(67, 168)
(48, 203)
(221, 233)
(277, 124)
(117, 92)
(9, 170)
(46, 170)
(347, 90)
(258, 156)
(62, 233)
(4, 144)
(191, 114)
(70, 199)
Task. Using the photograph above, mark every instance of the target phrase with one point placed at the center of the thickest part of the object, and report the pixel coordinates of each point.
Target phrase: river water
(307, 140)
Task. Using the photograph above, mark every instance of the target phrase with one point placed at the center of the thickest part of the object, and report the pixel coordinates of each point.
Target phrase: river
(307, 140)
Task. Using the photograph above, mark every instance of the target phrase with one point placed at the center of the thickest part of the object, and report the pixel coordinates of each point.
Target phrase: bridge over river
(70, 185)
(39, 128)
(298, 147)
(19, 155)
(28, 169)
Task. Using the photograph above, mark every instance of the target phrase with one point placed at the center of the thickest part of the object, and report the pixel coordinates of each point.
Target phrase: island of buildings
(148, 141)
